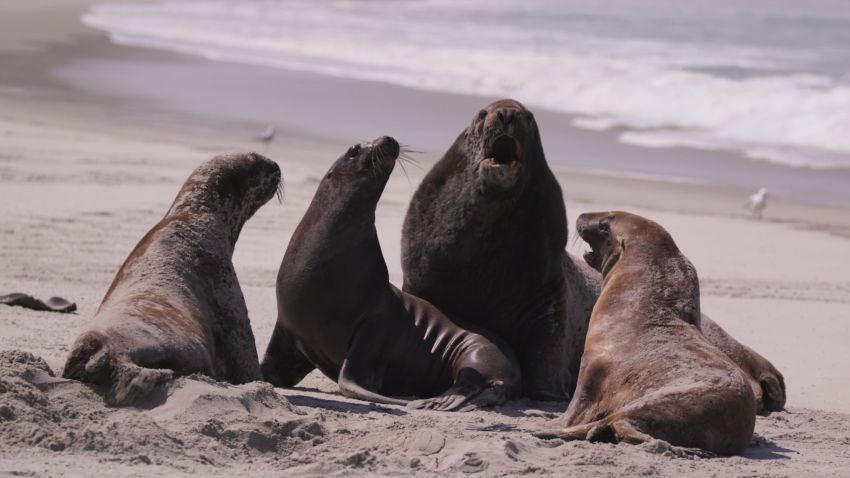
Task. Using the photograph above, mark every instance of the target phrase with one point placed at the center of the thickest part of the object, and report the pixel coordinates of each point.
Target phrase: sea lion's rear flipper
(284, 365)
(92, 361)
(577, 432)
(53, 304)
(623, 430)
(349, 379)
(132, 383)
(768, 383)
(773, 391)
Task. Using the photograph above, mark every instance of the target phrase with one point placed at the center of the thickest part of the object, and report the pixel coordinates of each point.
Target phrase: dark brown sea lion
(484, 240)
(175, 306)
(767, 382)
(338, 311)
(647, 370)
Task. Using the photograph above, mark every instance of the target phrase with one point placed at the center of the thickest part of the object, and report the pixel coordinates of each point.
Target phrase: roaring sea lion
(175, 306)
(484, 240)
(338, 311)
(647, 370)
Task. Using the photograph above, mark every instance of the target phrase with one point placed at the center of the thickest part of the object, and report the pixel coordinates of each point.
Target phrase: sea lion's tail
(92, 361)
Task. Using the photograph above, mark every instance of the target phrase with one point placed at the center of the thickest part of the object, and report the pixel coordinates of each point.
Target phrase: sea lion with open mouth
(647, 370)
(338, 311)
(484, 240)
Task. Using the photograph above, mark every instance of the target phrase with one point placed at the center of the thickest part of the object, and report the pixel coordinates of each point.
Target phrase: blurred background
(751, 94)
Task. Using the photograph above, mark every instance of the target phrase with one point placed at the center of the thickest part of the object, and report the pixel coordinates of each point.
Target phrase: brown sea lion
(175, 306)
(647, 370)
(338, 311)
(484, 240)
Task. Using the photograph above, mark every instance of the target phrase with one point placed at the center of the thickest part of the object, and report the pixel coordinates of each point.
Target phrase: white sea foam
(737, 91)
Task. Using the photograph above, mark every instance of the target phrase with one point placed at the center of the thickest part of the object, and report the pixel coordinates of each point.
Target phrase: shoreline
(195, 96)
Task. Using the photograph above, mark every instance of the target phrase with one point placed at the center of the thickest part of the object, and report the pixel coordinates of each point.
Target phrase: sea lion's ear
(622, 244)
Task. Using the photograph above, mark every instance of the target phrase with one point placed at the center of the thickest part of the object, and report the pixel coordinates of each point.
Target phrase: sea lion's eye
(605, 224)
(353, 151)
(482, 114)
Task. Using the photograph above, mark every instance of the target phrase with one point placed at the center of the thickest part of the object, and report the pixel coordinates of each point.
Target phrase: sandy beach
(87, 167)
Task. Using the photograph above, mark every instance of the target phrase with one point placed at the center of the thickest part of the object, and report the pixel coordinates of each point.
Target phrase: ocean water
(768, 78)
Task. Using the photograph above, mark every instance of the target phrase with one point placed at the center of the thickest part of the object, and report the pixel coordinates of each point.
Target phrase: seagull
(267, 136)
(758, 202)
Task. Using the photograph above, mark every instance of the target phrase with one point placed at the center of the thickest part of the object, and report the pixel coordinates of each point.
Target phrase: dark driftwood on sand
(53, 304)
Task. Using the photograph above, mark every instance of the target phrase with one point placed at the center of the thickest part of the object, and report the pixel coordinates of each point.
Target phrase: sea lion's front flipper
(470, 391)
(284, 365)
(350, 375)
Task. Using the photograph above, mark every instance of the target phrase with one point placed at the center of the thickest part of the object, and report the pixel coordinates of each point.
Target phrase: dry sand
(79, 188)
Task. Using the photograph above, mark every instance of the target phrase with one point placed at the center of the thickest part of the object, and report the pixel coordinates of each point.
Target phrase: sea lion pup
(767, 382)
(338, 311)
(484, 240)
(175, 306)
(647, 371)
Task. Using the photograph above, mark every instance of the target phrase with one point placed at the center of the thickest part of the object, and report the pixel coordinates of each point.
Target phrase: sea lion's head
(364, 169)
(646, 256)
(610, 233)
(237, 184)
(503, 144)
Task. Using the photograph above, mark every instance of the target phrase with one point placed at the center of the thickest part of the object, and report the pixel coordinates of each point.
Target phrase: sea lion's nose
(506, 116)
(388, 146)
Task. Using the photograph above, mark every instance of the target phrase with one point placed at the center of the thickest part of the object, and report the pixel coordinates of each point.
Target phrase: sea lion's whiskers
(279, 191)
(576, 237)
(405, 153)
(377, 162)
(401, 163)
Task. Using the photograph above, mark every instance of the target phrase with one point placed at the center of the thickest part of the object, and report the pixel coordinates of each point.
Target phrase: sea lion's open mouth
(504, 150)
(593, 257)
(501, 167)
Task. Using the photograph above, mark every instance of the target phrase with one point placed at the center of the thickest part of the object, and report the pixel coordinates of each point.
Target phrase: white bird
(267, 136)
(758, 202)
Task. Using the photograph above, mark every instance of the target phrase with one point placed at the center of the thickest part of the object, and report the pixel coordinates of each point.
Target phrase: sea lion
(175, 306)
(767, 382)
(338, 311)
(647, 370)
(484, 240)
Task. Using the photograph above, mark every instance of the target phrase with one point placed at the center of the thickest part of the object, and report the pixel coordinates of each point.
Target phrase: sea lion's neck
(339, 231)
(667, 284)
(213, 224)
